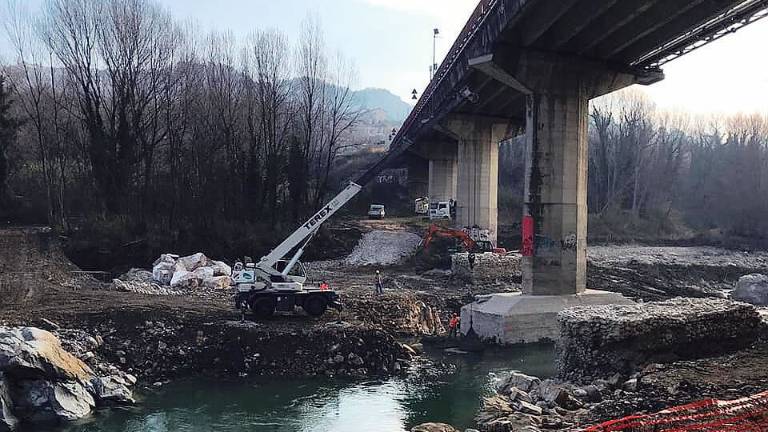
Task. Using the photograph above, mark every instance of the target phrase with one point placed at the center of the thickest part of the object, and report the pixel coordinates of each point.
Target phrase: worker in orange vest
(453, 325)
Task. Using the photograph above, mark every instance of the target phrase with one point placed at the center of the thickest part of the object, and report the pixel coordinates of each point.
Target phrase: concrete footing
(514, 318)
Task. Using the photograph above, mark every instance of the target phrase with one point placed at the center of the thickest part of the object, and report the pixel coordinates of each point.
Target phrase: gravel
(384, 248)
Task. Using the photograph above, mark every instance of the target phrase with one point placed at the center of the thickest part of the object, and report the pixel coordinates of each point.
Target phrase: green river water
(317, 405)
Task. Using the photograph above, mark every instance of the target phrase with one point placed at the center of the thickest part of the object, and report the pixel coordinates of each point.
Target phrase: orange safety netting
(711, 415)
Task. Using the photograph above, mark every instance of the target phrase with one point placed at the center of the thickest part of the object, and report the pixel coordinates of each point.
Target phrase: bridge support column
(478, 173)
(418, 177)
(554, 265)
(555, 201)
(442, 179)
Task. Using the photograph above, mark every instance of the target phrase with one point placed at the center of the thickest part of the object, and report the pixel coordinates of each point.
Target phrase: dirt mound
(32, 259)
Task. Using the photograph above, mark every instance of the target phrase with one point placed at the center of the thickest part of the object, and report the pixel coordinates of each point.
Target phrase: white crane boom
(305, 232)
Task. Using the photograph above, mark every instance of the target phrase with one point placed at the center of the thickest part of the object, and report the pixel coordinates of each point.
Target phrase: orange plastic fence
(710, 415)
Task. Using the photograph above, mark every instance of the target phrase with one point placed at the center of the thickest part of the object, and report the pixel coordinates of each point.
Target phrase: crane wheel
(262, 307)
(315, 305)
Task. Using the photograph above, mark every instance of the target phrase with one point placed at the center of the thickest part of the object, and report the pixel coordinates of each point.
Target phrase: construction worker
(379, 284)
(471, 259)
(453, 325)
(324, 286)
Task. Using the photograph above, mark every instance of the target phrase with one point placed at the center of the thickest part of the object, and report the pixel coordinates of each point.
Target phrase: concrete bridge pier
(555, 201)
(478, 171)
(418, 178)
(555, 204)
(442, 179)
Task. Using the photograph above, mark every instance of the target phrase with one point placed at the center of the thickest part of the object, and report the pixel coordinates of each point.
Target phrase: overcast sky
(390, 42)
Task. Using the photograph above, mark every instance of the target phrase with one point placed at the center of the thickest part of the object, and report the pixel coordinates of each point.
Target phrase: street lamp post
(433, 68)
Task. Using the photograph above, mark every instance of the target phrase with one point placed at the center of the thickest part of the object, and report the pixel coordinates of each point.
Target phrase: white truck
(439, 210)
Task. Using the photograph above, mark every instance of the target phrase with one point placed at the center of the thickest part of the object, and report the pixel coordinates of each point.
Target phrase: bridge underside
(533, 65)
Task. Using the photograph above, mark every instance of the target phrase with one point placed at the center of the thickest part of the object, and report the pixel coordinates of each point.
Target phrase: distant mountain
(374, 98)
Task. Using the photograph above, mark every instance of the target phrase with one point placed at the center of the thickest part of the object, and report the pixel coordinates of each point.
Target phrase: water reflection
(284, 405)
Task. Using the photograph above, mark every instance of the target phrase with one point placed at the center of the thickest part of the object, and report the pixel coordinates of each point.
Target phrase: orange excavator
(469, 244)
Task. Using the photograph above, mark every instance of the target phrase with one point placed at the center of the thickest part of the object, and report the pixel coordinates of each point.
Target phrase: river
(319, 405)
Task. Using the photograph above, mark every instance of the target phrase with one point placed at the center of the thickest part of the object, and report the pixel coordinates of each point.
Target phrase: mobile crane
(277, 282)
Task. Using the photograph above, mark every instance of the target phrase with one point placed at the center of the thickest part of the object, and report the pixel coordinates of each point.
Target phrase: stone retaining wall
(605, 340)
(489, 268)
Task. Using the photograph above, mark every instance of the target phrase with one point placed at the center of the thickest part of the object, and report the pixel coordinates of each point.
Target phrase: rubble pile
(526, 403)
(40, 381)
(488, 268)
(383, 248)
(402, 314)
(603, 340)
(753, 289)
(174, 275)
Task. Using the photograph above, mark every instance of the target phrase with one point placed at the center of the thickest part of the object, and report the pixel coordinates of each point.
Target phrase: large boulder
(32, 353)
(8, 421)
(194, 261)
(217, 282)
(183, 279)
(163, 269)
(112, 390)
(433, 427)
(42, 400)
(221, 268)
(753, 289)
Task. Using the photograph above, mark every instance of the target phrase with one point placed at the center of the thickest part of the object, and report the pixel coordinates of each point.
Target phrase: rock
(433, 427)
(519, 380)
(194, 261)
(556, 394)
(355, 359)
(517, 394)
(221, 269)
(31, 353)
(529, 408)
(8, 420)
(163, 269)
(630, 385)
(138, 275)
(593, 393)
(753, 289)
(183, 279)
(112, 390)
(42, 400)
(217, 282)
(204, 272)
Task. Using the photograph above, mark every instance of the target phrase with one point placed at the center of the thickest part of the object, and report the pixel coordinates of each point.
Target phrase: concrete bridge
(532, 66)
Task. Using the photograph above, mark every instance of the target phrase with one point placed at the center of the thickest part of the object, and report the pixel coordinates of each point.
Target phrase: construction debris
(605, 340)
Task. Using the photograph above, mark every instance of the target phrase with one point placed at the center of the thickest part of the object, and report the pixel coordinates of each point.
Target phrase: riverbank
(164, 338)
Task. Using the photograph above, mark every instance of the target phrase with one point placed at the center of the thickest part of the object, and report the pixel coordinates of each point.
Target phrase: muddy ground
(162, 337)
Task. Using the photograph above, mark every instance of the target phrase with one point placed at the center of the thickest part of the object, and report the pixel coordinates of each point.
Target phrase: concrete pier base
(515, 318)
